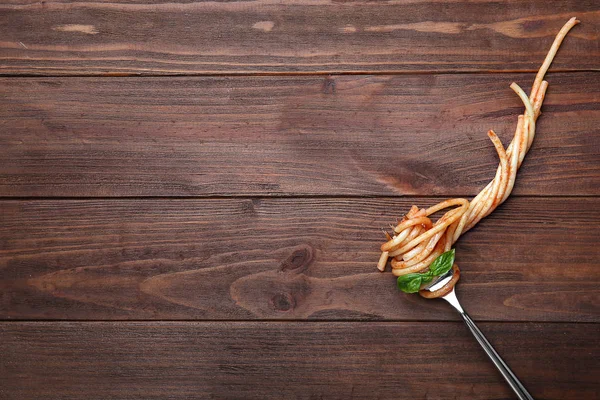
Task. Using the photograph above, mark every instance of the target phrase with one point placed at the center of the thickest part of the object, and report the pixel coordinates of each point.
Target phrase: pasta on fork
(418, 242)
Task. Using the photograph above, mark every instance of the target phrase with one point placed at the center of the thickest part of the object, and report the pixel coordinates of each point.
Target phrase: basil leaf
(442, 263)
(410, 283)
(426, 277)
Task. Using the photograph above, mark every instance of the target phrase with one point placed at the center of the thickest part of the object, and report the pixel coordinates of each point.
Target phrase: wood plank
(228, 37)
(534, 259)
(274, 360)
(263, 136)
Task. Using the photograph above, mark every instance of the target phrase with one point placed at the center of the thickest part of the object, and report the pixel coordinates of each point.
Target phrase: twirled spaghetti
(418, 241)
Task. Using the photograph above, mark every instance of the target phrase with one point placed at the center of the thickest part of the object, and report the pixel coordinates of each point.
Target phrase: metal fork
(508, 375)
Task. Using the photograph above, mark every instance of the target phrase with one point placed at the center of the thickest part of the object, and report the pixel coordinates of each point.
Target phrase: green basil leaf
(426, 277)
(410, 283)
(442, 263)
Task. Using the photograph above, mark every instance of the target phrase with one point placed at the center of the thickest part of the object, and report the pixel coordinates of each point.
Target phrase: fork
(508, 375)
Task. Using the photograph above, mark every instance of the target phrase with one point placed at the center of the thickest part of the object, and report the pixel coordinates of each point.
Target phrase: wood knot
(328, 86)
(530, 26)
(249, 206)
(283, 302)
(299, 260)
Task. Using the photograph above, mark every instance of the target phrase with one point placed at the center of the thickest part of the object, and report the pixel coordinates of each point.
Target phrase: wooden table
(192, 195)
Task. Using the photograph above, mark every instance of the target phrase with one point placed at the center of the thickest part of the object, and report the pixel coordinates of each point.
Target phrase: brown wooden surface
(203, 236)
(284, 259)
(355, 135)
(157, 37)
(258, 360)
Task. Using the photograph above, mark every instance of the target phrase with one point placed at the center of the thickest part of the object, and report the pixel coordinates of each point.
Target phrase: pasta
(417, 240)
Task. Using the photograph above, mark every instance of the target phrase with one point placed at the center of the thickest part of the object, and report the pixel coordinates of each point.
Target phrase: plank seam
(287, 321)
(283, 196)
(294, 73)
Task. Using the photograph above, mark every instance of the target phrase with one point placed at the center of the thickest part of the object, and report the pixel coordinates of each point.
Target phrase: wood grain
(534, 259)
(230, 37)
(191, 197)
(274, 360)
(277, 136)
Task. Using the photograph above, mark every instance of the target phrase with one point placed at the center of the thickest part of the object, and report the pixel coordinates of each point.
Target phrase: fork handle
(508, 375)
